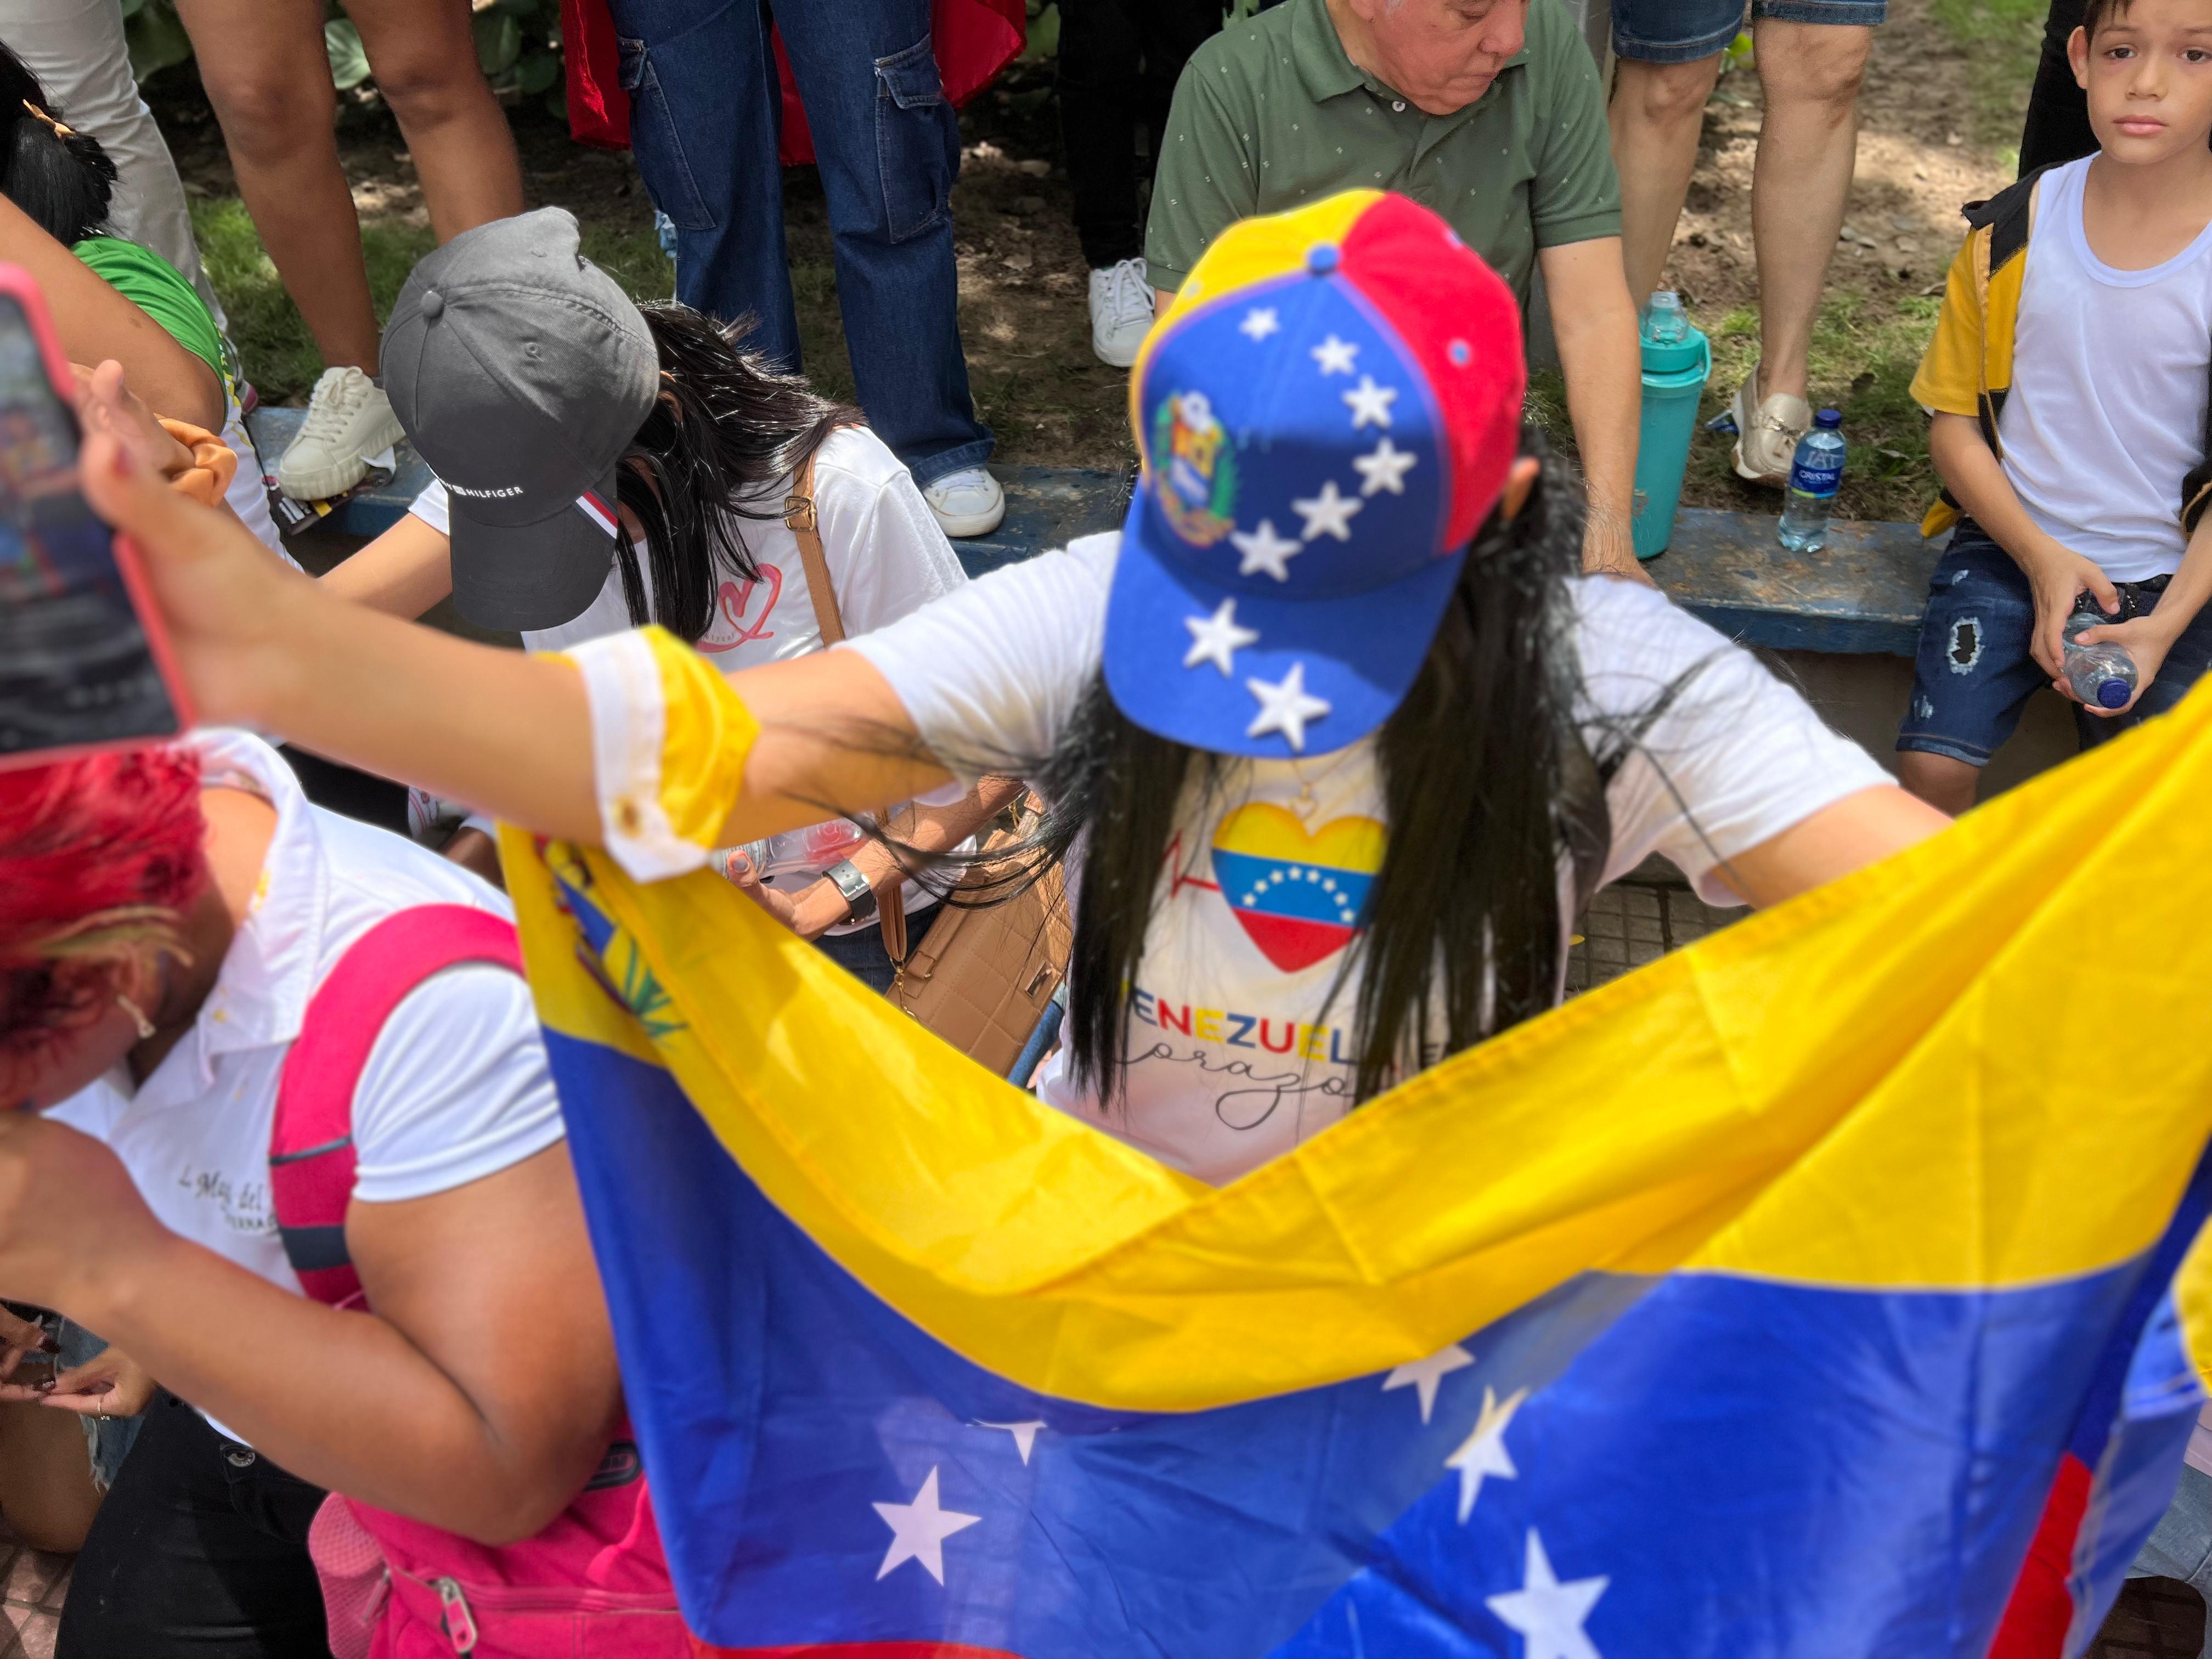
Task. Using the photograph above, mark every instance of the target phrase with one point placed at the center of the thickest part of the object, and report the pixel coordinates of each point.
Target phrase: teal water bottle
(1677, 362)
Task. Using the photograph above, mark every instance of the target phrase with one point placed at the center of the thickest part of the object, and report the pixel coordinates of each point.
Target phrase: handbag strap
(805, 523)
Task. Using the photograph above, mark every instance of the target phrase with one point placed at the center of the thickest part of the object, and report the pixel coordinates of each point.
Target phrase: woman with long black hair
(1335, 736)
(707, 445)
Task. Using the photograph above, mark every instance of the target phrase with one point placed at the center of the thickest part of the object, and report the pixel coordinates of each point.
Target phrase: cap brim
(1359, 652)
(530, 576)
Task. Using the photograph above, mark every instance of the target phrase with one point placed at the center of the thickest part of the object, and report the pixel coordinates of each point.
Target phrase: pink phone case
(18, 284)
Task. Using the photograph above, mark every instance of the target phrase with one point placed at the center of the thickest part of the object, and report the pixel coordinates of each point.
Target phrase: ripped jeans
(1972, 674)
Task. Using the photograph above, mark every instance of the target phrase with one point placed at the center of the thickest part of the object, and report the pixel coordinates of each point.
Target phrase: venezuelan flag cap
(1326, 414)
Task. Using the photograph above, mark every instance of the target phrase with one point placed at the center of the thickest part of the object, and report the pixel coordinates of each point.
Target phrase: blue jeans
(1972, 675)
(706, 109)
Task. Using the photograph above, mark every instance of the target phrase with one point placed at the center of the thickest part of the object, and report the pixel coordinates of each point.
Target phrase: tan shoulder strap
(800, 518)
(804, 525)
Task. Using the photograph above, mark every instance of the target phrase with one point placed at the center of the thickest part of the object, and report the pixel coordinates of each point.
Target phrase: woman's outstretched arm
(263, 646)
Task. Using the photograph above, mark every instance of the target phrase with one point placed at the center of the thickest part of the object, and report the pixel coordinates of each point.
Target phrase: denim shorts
(1972, 674)
(1684, 31)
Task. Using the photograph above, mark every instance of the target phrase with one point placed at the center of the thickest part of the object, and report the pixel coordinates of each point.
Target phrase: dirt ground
(1922, 151)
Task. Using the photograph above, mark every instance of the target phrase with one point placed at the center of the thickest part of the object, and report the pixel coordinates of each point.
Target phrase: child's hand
(2059, 577)
(2143, 639)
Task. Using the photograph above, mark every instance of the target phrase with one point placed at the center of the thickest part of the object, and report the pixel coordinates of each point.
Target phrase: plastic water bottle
(1816, 473)
(1665, 322)
(2103, 675)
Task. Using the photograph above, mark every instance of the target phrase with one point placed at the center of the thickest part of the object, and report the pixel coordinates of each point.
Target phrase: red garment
(974, 39)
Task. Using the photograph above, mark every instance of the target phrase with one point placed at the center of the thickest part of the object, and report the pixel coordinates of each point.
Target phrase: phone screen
(76, 668)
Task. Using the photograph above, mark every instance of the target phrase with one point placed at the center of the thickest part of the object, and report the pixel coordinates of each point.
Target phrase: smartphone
(84, 662)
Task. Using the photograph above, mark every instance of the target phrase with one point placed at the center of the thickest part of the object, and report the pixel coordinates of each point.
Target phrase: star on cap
(1383, 467)
(1217, 638)
(1334, 355)
(1484, 1451)
(1371, 403)
(1259, 323)
(1263, 549)
(1549, 1614)
(1285, 708)
(919, 1530)
(1328, 513)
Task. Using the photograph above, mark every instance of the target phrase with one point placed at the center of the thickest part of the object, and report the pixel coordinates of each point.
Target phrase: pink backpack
(595, 1584)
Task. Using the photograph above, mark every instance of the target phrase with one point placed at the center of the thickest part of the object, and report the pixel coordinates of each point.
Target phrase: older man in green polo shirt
(1489, 111)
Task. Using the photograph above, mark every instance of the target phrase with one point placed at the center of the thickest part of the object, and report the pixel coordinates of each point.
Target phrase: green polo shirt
(1270, 115)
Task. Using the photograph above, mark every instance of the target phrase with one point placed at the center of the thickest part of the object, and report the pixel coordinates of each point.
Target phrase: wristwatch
(859, 898)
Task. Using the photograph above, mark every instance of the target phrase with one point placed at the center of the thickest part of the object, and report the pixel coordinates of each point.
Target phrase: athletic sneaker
(1121, 312)
(967, 503)
(1767, 431)
(348, 420)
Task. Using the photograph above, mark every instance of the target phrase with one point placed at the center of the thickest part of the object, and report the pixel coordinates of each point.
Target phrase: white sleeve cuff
(622, 684)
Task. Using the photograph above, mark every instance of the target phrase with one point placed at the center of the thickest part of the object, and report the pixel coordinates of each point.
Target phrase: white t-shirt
(2109, 372)
(456, 1087)
(887, 557)
(1234, 1058)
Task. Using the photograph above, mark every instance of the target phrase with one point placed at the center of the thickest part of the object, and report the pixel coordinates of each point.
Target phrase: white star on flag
(1264, 550)
(1484, 1452)
(1328, 513)
(1334, 355)
(919, 1530)
(1024, 1434)
(1549, 1614)
(1216, 638)
(1285, 706)
(1383, 467)
(1259, 323)
(1370, 404)
(1427, 1376)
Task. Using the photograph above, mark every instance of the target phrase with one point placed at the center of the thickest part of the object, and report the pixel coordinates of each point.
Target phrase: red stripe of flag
(2041, 1610)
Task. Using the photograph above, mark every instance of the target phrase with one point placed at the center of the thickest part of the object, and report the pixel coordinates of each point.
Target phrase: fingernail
(46, 1387)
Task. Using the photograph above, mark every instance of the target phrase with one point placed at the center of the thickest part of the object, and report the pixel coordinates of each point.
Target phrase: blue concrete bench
(1862, 593)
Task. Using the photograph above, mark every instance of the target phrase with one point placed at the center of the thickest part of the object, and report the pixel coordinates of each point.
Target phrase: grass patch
(1863, 364)
(2004, 38)
(279, 354)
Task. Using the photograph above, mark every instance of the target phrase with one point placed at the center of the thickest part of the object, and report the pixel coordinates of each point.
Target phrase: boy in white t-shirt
(2068, 384)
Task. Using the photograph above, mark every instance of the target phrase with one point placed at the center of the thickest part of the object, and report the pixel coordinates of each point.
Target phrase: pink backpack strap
(311, 1155)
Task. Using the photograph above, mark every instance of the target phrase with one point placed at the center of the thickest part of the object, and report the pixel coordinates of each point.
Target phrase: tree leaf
(348, 58)
(156, 40)
(540, 69)
(499, 41)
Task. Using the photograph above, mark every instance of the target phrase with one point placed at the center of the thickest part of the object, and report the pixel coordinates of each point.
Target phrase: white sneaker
(1121, 312)
(348, 420)
(968, 502)
(1767, 431)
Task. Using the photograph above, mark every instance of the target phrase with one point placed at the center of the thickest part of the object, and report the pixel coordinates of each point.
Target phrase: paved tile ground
(1635, 921)
(2154, 1618)
(32, 1586)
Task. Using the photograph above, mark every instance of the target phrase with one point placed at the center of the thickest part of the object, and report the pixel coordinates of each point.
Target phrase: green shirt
(154, 286)
(1270, 115)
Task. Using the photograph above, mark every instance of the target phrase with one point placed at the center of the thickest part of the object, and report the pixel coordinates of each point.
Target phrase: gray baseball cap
(521, 372)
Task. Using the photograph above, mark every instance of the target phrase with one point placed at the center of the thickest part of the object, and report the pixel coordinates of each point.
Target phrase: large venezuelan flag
(1770, 1300)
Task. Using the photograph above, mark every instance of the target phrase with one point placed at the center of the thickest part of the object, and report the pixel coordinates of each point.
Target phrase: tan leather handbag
(983, 975)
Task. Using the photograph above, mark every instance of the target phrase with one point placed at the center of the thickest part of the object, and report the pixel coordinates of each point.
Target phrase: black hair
(728, 428)
(1486, 780)
(64, 179)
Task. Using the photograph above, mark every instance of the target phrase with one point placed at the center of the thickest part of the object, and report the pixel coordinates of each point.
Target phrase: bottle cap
(2113, 693)
(1829, 419)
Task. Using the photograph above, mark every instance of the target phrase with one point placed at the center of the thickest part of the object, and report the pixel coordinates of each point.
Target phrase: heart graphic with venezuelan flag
(1299, 896)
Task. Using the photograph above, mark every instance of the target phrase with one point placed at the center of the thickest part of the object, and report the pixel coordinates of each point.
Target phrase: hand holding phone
(83, 661)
